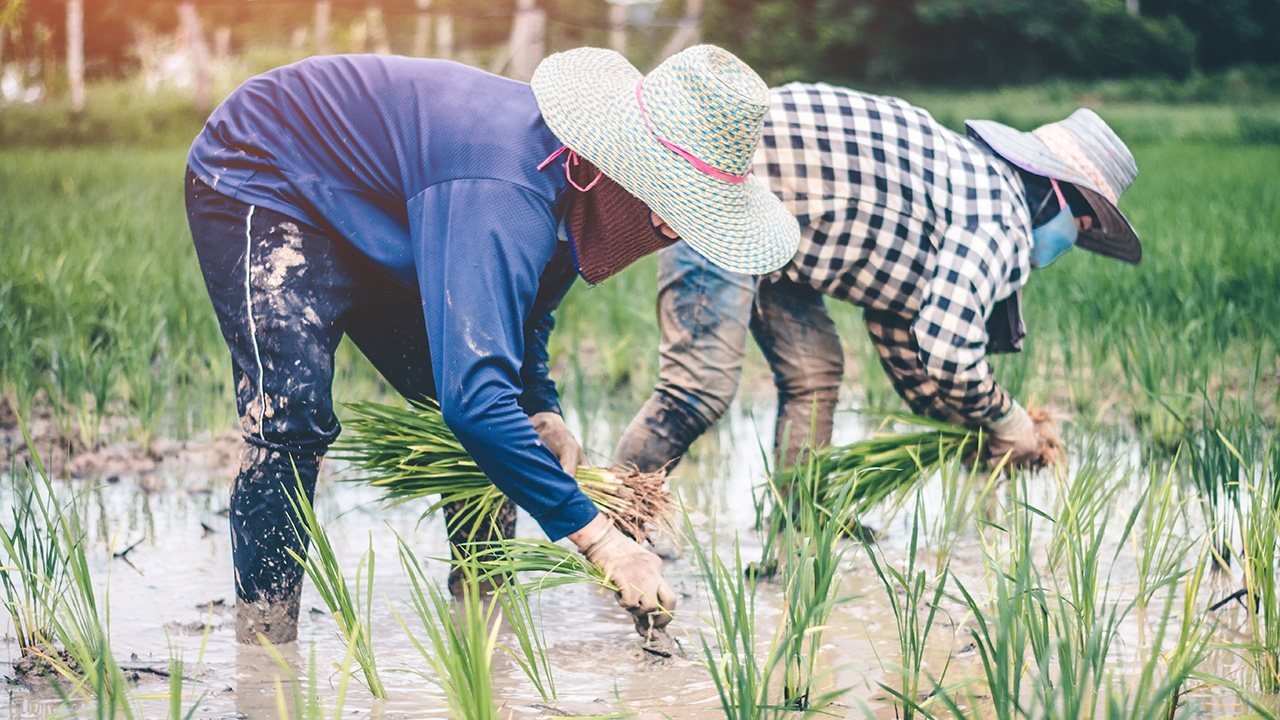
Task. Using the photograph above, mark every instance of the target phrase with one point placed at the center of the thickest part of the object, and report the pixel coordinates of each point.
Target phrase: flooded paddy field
(159, 552)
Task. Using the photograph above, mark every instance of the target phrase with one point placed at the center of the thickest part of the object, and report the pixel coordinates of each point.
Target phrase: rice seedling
(85, 660)
(35, 572)
(308, 706)
(351, 611)
(1081, 525)
(554, 565)
(811, 555)
(742, 680)
(1259, 527)
(411, 453)
(460, 642)
(530, 652)
(1160, 549)
(886, 464)
(915, 607)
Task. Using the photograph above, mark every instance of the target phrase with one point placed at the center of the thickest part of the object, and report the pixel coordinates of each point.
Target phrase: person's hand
(556, 436)
(637, 573)
(1013, 435)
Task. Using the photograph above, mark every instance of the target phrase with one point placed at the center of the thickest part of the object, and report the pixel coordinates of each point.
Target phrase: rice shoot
(410, 453)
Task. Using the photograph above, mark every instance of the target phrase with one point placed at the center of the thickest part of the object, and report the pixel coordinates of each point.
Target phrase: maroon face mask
(608, 226)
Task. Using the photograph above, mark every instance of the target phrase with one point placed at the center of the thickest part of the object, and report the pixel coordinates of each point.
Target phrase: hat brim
(588, 99)
(1115, 236)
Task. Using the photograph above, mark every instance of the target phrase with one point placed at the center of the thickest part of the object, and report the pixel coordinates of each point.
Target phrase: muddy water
(176, 578)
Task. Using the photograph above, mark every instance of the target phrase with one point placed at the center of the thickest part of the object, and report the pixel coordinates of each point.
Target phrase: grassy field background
(103, 312)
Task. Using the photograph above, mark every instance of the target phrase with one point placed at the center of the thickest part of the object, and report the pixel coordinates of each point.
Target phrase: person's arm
(481, 247)
(950, 328)
(540, 394)
(900, 357)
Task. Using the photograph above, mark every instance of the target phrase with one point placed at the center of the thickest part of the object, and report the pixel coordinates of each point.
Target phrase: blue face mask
(1050, 240)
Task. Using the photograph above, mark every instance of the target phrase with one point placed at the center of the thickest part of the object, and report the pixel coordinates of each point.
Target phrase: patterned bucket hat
(1084, 151)
(681, 139)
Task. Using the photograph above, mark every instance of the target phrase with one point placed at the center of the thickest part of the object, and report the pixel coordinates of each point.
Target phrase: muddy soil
(174, 587)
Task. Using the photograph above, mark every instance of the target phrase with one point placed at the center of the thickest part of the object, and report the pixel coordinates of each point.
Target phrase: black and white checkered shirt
(922, 227)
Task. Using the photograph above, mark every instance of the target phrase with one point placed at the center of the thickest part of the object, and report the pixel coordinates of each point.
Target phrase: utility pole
(444, 37)
(618, 27)
(528, 40)
(323, 10)
(75, 53)
(422, 28)
(689, 33)
(377, 29)
(189, 20)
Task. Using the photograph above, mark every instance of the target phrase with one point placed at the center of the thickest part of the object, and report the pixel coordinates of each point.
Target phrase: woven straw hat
(702, 101)
(1084, 151)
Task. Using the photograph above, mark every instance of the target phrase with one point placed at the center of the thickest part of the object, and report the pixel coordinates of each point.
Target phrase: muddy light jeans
(705, 314)
(285, 293)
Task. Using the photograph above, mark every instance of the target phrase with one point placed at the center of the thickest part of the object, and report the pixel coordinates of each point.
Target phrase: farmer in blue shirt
(436, 215)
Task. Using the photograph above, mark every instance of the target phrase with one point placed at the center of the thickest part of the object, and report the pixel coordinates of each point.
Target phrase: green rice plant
(411, 453)
(811, 555)
(742, 680)
(307, 706)
(460, 642)
(530, 652)
(963, 492)
(85, 661)
(915, 607)
(1259, 527)
(35, 572)
(1160, 549)
(351, 611)
(1081, 525)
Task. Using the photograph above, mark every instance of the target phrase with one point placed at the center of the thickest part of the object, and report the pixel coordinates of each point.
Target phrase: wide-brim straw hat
(1084, 151)
(703, 101)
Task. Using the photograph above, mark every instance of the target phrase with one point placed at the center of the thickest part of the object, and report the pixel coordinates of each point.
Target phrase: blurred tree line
(964, 42)
(993, 42)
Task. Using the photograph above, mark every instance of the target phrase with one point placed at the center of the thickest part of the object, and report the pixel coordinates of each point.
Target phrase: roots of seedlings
(646, 503)
(1051, 450)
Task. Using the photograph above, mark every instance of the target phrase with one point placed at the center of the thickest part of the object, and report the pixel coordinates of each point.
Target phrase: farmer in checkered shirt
(932, 233)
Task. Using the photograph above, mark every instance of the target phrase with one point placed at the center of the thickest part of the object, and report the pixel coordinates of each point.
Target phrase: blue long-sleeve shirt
(430, 169)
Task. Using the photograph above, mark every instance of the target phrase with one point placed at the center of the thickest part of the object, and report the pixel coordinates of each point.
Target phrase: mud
(173, 593)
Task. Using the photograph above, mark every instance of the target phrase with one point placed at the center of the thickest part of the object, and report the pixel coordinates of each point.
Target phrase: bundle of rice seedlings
(410, 453)
(888, 464)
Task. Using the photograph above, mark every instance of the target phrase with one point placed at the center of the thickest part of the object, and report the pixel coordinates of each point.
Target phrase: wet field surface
(161, 554)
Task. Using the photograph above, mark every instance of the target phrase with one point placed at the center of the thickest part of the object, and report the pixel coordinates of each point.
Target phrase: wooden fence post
(323, 9)
(75, 53)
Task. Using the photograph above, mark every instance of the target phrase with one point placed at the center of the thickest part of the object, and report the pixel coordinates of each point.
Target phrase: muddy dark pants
(704, 314)
(285, 293)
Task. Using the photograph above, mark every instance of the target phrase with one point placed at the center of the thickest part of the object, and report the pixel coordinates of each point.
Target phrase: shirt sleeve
(481, 246)
(950, 329)
(539, 389)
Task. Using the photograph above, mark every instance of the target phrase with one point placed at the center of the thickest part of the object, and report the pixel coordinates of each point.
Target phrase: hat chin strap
(702, 166)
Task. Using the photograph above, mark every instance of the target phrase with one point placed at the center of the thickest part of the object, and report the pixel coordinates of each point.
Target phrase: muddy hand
(638, 575)
(1014, 435)
(556, 436)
